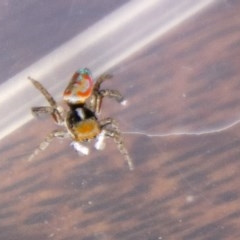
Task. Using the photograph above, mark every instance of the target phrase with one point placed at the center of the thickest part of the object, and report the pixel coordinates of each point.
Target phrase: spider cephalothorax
(80, 123)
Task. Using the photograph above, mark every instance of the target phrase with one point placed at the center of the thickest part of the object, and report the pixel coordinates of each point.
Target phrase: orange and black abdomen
(80, 87)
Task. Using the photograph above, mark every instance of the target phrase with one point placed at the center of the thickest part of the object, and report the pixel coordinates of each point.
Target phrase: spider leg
(54, 109)
(117, 137)
(37, 111)
(96, 102)
(100, 80)
(96, 99)
(55, 113)
(100, 94)
(113, 94)
(107, 92)
(44, 91)
(109, 121)
(45, 143)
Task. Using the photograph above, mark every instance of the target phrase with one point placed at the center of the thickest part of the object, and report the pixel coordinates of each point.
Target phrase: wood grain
(183, 187)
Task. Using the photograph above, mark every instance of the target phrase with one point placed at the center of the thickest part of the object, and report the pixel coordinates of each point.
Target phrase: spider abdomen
(80, 87)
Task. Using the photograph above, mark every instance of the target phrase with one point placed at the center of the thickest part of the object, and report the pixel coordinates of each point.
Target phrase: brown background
(184, 186)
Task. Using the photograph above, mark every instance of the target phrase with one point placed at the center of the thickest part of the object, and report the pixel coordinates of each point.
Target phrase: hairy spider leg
(53, 110)
(117, 137)
(98, 94)
(37, 111)
(45, 143)
(112, 94)
(101, 79)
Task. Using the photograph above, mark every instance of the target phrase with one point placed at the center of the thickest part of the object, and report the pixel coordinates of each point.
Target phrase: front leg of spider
(98, 94)
(54, 109)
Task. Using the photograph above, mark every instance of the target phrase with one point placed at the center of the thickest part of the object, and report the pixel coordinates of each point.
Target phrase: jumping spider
(80, 122)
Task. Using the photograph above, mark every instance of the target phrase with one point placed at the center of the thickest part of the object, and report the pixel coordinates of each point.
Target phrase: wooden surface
(184, 88)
